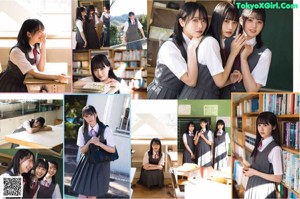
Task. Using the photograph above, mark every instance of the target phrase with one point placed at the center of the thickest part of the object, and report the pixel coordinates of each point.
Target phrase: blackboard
(182, 127)
(277, 35)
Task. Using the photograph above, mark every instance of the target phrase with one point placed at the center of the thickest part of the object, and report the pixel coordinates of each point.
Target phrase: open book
(97, 86)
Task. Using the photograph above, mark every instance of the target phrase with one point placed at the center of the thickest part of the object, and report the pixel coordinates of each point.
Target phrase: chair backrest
(169, 161)
(173, 178)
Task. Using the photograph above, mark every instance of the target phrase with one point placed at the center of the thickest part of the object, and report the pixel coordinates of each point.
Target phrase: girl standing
(174, 68)
(28, 56)
(203, 141)
(21, 165)
(213, 66)
(188, 141)
(131, 36)
(221, 145)
(255, 58)
(80, 36)
(105, 19)
(91, 20)
(40, 169)
(92, 180)
(49, 187)
(102, 71)
(266, 168)
(152, 171)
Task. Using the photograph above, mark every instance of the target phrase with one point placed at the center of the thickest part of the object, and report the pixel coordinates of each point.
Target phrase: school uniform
(105, 18)
(171, 66)
(48, 189)
(259, 64)
(203, 150)
(209, 65)
(132, 35)
(79, 39)
(93, 41)
(34, 186)
(151, 178)
(92, 179)
(221, 142)
(267, 160)
(189, 139)
(19, 64)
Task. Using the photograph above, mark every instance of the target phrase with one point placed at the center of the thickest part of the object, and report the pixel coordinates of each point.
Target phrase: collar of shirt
(223, 43)
(191, 133)
(186, 39)
(265, 143)
(220, 132)
(251, 42)
(203, 130)
(96, 128)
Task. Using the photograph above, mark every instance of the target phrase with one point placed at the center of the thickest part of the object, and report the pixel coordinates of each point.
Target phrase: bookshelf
(82, 62)
(130, 65)
(245, 110)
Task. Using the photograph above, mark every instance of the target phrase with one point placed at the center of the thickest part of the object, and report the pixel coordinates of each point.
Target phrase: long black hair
(41, 120)
(129, 15)
(89, 110)
(260, 14)
(188, 126)
(219, 122)
(205, 121)
(15, 165)
(101, 61)
(88, 10)
(270, 119)
(223, 11)
(155, 141)
(32, 26)
(56, 166)
(79, 10)
(41, 163)
(186, 13)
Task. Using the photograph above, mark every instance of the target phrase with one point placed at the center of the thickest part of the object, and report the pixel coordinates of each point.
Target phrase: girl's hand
(43, 38)
(236, 76)
(192, 156)
(246, 51)
(194, 43)
(85, 44)
(111, 81)
(62, 78)
(237, 44)
(249, 171)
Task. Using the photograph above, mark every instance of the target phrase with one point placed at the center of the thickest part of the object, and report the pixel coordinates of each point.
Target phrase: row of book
(133, 74)
(291, 134)
(286, 193)
(291, 170)
(251, 123)
(128, 55)
(133, 64)
(282, 104)
(251, 105)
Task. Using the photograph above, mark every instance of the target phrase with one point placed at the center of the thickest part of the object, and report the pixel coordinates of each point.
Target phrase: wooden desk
(34, 85)
(189, 170)
(41, 139)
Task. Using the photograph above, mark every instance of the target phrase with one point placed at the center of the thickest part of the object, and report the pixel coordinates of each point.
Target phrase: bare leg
(82, 196)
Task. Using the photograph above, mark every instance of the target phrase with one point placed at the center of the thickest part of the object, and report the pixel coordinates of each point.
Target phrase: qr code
(11, 186)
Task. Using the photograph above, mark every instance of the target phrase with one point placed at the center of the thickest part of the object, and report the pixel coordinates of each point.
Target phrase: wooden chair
(176, 193)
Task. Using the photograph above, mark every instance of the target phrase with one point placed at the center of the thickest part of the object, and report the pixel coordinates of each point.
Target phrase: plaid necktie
(93, 133)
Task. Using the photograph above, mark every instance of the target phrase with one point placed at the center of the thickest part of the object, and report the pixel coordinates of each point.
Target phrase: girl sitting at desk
(32, 126)
(153, 162)
(102, 71)
(28, 56)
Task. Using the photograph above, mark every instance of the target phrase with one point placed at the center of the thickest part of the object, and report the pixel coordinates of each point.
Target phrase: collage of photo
(144, 99)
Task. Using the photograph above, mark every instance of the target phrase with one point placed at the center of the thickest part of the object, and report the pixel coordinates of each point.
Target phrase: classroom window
(124, 127)
(55, 15)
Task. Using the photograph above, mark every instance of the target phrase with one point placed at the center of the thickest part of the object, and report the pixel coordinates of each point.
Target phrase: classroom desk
(41, 139)
(189, 170)
(34, 85)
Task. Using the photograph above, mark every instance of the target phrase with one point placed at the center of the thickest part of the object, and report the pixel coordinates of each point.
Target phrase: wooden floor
(139, 94)
(139, 191)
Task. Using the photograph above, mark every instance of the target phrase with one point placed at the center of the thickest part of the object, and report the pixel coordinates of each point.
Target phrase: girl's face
(191, 128)
(36, 124)
(83, 13)
(253, 26)
(40, 172)
(155, 147)
(265, 130)
(90, 119)
(37, 37)
(195, 27)
(51, 170)
(228, 28)
(203, 125)
(102, 73)
(26, 164)
(220, 127)
(132, 17)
